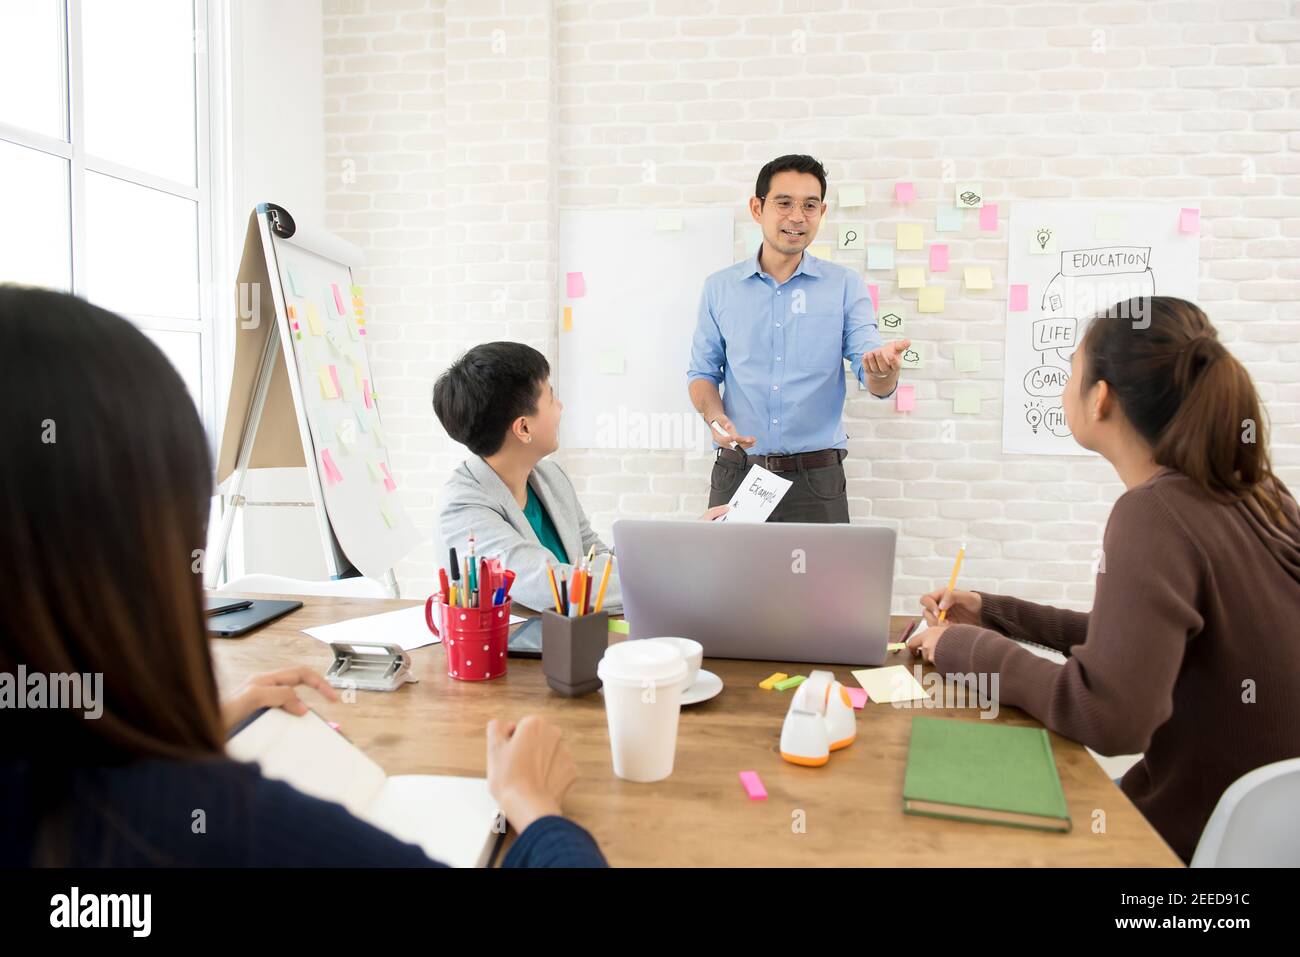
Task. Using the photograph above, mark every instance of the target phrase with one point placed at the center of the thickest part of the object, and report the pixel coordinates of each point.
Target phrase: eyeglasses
(812, 208)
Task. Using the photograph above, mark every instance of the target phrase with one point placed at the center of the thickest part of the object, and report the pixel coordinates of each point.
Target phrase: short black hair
(798, 162)
(486, 389)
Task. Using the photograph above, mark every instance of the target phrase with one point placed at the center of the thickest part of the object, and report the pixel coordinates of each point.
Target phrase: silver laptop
(776, 591)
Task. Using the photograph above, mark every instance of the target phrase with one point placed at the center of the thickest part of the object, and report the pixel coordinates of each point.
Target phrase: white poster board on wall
(1077, 258)
(629, 293)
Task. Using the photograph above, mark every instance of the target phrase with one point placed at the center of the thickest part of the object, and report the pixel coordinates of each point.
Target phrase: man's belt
(783, 463)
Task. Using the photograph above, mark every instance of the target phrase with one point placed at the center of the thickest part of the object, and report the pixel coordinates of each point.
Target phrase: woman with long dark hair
(1191, 653)
(104, 498)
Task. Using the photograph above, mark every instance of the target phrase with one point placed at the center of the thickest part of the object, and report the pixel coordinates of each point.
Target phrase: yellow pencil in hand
(952, 582)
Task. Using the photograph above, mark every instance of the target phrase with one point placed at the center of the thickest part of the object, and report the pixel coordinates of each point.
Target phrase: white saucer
(707, 685)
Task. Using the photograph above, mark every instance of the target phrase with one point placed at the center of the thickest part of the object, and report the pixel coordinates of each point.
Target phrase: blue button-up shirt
(777, 350)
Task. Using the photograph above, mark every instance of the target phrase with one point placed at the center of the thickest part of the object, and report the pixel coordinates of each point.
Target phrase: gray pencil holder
(571, 650)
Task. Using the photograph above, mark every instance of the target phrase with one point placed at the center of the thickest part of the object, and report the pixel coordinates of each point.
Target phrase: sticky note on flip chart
(327, 387)
(575, 285)
(566, 322)
(388, 477)
(313, 318)
(334, 378)
(1019, 297)
(611, 362)
(929, 299)
(1189, 221)
(293, 283)
(966, 399)
(905, 398)
(332, 474)
(365, 392)
(911, 277)
(668, 220)
(979, 277)
(1110, 225)
(909, 236)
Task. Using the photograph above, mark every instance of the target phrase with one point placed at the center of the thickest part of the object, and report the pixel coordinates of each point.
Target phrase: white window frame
(81, 162)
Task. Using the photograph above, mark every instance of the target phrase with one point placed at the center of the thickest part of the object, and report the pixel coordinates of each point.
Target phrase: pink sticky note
(338, 298)
(989, 217)
(857, 696)
(1019, 297)
(365, 391)
(938, 257)
(332, 474)
(1189, 221)
(874, 290)
(576, 285)
(753, 786)
(334, 377)
(388, 477)
(904, 401)
(904, 192)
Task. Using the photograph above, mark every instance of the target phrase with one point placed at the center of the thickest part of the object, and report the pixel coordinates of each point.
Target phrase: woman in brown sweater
(1191, 653)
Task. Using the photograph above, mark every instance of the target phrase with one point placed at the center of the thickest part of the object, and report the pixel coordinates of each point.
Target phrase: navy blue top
(143, 814)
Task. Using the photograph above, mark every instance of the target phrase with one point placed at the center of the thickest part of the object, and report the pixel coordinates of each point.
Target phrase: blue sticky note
(948, 219)
(880, 256)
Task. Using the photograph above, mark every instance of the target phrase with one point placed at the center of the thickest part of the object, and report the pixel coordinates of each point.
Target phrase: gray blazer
(475, 499)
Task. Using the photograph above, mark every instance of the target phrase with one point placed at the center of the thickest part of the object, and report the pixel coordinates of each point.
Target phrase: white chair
(280, 585)
(1257, 821)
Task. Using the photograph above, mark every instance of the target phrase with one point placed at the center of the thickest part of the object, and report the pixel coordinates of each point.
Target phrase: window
(104, 174)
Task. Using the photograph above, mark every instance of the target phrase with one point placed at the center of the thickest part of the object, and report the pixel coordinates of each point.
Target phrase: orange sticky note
(568, 318)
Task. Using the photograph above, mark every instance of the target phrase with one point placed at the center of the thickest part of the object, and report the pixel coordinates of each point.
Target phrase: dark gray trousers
(817, 495)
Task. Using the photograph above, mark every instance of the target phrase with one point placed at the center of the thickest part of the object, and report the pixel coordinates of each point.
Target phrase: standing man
(774, 330)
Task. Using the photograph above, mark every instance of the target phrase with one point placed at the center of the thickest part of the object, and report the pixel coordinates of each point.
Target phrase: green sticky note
(979, 277)
(966, 356)
(910, 236)
(966, 399)
(880, 257)
(852, 196)
(611, 362)
(912, 357)
(619, 625)
(792, 682)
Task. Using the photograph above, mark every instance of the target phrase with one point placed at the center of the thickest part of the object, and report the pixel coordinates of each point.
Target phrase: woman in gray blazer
(497, 401)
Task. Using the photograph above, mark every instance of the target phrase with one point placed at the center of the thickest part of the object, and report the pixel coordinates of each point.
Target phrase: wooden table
(851, 809)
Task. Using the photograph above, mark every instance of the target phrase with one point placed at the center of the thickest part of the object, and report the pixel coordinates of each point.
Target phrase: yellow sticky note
(568, 318)
(327, 384)
(911, 277)
(888, 685)
(822, 250)
(979, 277)
(852, 196)
(966, 399)
(387, 515)
(910, 236)
(966, 357)
(930, 299)
(313, 318)
(767, 683)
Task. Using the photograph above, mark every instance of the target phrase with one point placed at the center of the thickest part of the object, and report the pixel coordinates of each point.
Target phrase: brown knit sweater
(1191, 653)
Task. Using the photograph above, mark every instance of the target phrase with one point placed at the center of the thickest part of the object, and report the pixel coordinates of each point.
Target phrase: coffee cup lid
(637, 661)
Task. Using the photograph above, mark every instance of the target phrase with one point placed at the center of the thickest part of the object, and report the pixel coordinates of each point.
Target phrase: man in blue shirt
(773, 331)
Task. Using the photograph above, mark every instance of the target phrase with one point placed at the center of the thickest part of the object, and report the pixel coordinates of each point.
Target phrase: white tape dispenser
(820, 720)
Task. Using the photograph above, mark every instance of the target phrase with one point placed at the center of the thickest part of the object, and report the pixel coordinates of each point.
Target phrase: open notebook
(453, 819)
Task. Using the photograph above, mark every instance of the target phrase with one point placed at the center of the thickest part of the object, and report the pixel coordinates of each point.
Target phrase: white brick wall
(468, 123)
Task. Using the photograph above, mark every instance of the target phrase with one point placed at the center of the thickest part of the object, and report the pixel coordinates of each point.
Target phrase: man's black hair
(797, 162)
(486, 389)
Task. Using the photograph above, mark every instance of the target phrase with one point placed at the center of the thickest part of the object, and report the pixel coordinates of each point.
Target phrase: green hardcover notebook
(973, 771)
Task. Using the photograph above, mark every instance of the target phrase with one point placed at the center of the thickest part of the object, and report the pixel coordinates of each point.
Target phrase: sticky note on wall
(880, 256)
(930, 299)
(989, 217)
(905, 398)
(909, 236)
(338, 299)
(966, 399)
(852, 236)
(575, 285)
(904, 193)
(873, 290)
(979, 277)
(966, 357)
(948, 219)
(851, 196)
(911, 277)
(938, 257)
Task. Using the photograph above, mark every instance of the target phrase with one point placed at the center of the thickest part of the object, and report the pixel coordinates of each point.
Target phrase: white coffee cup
(692, 653)
(643, 694)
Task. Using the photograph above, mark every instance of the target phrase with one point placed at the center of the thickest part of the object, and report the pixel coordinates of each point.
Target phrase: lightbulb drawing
(1043, 237)
(1034, 417)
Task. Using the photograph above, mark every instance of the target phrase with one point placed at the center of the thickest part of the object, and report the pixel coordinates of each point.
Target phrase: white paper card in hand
(758, 496)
